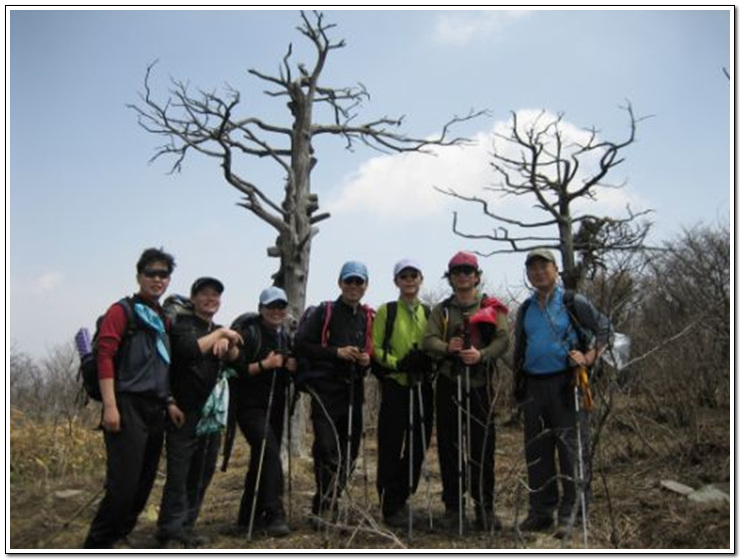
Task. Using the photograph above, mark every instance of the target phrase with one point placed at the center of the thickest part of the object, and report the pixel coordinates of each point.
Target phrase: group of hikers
(156, 376)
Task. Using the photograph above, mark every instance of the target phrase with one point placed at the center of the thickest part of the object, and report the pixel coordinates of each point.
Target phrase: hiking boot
(276, 527)
(450, 522)
(173, 543)
(399, 519)
(565, 527)
(484, 522)
(534, 523)
(122, 543)
(195, 540)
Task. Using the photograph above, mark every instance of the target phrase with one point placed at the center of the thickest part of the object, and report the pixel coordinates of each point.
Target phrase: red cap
(463, 258)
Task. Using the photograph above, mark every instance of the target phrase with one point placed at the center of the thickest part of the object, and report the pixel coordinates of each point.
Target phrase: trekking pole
(348, 457)
(424, 456)
(460, 496)
(262, 456)
(411, 457)
(581, 482)
(467, 344)
(288, 417)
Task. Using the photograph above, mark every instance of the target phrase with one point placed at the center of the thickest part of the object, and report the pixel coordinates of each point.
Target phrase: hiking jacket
(135, 364)
(593, 326)
(253, 391)
(491, 339)
(347, 327)
(408, 333)
(193, 374)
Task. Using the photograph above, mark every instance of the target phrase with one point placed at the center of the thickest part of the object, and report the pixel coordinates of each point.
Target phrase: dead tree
(209, 124)
(540, 161)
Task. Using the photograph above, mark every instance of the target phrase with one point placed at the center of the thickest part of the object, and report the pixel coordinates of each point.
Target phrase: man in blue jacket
(556, 332)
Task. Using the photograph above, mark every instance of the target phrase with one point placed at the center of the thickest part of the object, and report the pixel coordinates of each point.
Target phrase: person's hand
(221, 348)
(176, 414)
(111, 421)
(348, 353)
(470, 356)
(363, 359)
(455, 344)
(579, 358)
(273, 360)
(232, 336)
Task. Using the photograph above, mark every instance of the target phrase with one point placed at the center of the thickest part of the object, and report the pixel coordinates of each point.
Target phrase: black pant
(330, 418)
(482, 443)
(191, 463)
(549, 426)
(132, 459)
(256, 428)
(393, 441)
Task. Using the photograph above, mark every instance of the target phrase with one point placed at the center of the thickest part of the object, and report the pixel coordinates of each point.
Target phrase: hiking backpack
(303, 374)
(87, 374)
(177, 306)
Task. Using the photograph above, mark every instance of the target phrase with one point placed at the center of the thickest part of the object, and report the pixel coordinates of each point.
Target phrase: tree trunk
(565, 230)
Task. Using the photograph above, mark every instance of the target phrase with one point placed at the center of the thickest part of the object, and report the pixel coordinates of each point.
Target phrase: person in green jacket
(406, 407)
(465, 334)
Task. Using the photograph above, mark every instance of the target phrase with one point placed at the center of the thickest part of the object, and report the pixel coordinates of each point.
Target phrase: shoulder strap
(128, 308)
(446, 316)
(328, 307)
(254, 330)
(369, 315)
(569, 302)
(392, 310)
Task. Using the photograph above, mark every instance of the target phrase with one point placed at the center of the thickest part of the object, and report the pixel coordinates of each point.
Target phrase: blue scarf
(154, 321)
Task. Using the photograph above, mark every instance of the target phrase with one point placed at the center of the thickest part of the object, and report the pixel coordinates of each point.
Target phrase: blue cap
(406, 263)
(272, 294)
(353, 269)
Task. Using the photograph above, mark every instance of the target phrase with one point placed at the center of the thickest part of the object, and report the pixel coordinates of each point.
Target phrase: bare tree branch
(539, 160)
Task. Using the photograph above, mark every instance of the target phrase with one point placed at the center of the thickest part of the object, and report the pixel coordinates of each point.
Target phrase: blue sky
(84, 201)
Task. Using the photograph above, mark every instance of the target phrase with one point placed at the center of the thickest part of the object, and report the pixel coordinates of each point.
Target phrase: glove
(417, 364)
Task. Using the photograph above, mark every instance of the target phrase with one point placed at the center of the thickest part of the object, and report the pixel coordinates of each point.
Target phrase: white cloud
(48, 282)
(401, 185)
(462, 28)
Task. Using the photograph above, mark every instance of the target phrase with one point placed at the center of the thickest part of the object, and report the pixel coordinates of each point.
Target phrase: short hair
(155, 255)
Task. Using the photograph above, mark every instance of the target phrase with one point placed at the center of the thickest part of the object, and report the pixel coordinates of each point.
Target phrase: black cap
(200, 283)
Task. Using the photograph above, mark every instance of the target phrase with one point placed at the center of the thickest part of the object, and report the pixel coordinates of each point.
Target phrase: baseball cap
(353, 269)
(543, 253)
(463, 258)
(406, 263)
(200, 283)
(271, 295)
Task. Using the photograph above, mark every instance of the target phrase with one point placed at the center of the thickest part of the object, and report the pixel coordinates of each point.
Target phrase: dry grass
(629, 509)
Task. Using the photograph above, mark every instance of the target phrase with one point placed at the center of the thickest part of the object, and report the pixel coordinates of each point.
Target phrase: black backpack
(176, 306)
(87, 373)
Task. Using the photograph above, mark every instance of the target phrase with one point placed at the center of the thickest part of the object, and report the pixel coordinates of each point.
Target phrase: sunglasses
(353, 281)
(464, 270)
(156, 273)
(409, 275)
(278, 306)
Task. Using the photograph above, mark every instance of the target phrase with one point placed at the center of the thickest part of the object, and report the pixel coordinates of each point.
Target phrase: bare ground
(629, 509)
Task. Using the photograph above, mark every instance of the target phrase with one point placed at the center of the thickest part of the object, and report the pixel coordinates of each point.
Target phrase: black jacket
(192, 373)
(253, 391)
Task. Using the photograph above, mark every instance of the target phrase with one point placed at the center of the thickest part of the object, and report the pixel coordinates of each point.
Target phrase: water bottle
(83, 342)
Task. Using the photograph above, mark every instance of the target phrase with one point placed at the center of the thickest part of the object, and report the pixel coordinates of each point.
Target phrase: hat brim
(199, 286)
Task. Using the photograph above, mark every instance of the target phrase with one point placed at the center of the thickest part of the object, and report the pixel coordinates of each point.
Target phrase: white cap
(402, 265)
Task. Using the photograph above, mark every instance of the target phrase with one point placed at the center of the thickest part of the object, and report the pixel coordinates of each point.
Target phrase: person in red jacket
(133, 369)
